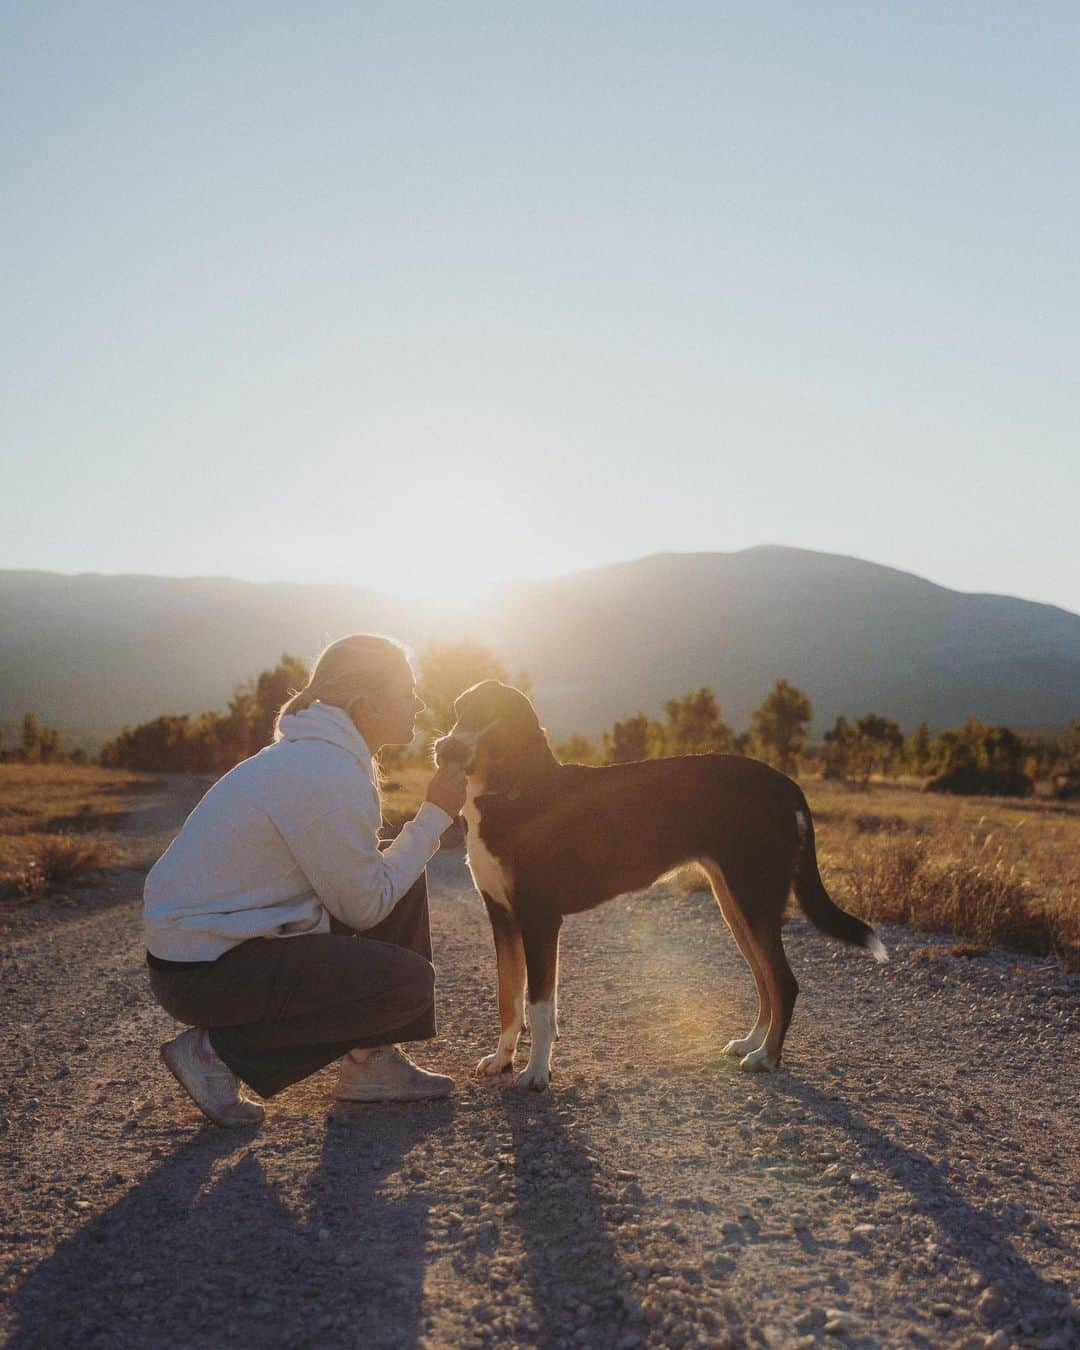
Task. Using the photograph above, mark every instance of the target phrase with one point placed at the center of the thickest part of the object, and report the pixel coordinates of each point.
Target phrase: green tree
(577, 749)
(272, 689)
(628, 740)
(779, 725)
(920, 749)
(839, 744)
(878, 743)
(694, 724)
(39, 744)
(976, 759)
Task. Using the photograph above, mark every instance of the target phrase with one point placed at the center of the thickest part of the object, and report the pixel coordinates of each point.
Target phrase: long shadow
(571, 1260)
(209, 1250)
(964, 1231)
(370, 1217)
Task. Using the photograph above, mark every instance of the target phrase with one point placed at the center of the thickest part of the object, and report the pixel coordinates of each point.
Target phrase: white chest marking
(488, 874)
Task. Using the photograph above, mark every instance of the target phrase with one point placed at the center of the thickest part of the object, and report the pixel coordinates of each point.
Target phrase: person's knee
(417, 985)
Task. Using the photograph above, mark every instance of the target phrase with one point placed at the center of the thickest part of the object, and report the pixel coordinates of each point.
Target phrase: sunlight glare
(460, 553)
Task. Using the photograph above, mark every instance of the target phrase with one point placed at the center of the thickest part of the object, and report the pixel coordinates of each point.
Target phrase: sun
(459, 556)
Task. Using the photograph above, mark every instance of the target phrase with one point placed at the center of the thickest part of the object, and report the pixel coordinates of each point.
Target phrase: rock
(997, 1340)
(810, 1319)
(838, 1322)
(991, 1305)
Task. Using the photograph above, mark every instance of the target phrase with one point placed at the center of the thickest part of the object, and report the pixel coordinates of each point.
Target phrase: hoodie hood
(324, 722)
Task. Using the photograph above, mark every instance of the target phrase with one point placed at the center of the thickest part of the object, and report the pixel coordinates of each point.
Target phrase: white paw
(534, 1076)
(499, 1062)
(736, 1049)
(757, 1061)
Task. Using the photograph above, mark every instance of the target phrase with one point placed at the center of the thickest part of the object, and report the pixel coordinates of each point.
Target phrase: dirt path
(913, 1178)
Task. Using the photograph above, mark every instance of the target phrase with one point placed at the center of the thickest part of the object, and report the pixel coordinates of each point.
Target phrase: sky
(425, 297)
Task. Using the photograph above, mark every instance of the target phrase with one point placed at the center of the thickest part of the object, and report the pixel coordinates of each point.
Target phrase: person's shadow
(217, 1247)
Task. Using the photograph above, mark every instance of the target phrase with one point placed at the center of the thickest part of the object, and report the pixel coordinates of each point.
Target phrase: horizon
(420, 300)
(477, 604)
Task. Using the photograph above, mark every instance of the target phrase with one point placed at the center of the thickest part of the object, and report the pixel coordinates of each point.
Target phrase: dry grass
(62, 861)
(992, 872)
(55, 823)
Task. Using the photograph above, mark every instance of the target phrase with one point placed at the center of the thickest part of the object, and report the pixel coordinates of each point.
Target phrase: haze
(424, 297)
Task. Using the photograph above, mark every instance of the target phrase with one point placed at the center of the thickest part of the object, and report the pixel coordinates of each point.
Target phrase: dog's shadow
(964, 1232)
(566, 1211)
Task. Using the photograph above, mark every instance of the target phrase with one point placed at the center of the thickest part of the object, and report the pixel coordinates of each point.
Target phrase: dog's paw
(533, 1076)
(499, 1062)
(757, 1061)
(737, 1048)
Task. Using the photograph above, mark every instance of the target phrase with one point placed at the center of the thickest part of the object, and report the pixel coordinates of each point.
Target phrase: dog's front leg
(510, 955)
(542, 961)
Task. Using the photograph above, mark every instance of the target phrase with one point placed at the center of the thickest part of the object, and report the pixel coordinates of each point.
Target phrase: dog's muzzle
(459, 747)
(448, 750)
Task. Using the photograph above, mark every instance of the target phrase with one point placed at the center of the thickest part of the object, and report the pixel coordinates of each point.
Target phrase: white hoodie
(283, 841)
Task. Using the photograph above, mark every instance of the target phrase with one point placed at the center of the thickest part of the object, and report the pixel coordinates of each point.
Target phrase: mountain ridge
(91, 651)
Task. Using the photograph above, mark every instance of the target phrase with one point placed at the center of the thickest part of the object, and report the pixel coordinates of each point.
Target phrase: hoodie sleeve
(339, 854)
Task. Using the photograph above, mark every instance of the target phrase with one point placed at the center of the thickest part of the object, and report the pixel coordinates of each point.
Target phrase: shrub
(62, 860)
(921, 883)
(978, 780)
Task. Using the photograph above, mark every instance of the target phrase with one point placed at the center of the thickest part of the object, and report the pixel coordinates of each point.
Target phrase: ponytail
(354, 667)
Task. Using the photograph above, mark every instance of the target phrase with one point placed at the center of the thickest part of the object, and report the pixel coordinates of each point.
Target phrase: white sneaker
(388, 1075)
(210, 1083)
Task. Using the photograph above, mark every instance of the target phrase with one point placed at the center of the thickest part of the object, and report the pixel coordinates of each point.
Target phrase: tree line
(974, 758)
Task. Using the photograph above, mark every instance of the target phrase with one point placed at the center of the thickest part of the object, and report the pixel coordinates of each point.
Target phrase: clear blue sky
(393, 293)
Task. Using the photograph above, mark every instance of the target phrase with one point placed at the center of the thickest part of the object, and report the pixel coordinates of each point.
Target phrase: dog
(547, 839)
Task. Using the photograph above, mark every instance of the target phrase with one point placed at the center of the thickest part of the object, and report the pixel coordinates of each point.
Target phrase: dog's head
(496, 737)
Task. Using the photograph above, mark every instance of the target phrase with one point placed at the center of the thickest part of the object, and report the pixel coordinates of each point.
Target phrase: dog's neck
(516, 778)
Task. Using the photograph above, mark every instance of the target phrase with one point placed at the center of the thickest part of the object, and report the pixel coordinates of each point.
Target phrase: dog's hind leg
(510, 955)
(542, 961)
(783, 989)
(740, 931)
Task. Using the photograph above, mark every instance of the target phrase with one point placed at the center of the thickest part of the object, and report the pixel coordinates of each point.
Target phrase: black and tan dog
(548, 839)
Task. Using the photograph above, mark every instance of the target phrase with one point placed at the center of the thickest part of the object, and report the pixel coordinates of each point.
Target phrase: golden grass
(1003, 872)
(55, 823)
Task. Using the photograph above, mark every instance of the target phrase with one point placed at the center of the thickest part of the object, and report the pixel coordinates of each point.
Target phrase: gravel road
(912, 1178)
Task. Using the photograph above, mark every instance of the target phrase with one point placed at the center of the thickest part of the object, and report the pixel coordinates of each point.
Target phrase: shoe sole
(225, 1122)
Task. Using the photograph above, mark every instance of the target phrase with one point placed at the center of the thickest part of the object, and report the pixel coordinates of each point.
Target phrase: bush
(926, 884)
(62, 860)
(978, 780)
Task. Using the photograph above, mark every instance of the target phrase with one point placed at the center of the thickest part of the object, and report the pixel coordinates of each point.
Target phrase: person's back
(232, 872)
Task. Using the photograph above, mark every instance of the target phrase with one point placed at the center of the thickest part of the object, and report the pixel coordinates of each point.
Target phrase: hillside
(89, 653)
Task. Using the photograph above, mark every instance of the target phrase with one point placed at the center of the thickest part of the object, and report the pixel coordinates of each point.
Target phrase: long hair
(351, 668)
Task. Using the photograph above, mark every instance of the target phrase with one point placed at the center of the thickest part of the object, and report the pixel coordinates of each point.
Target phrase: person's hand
(447, 788)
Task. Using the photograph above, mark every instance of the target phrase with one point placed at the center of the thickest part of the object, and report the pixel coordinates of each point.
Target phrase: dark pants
(278, 1009)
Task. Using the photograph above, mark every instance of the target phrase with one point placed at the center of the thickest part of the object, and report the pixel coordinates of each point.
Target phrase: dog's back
(588, 834)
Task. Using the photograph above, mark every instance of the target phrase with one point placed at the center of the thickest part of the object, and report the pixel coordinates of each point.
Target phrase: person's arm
(339, 854)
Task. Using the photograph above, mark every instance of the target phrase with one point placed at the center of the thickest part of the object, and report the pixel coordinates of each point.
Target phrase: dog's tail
(811, 894)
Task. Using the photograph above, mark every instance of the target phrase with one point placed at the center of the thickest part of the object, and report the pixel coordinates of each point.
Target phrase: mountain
(90, 653)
